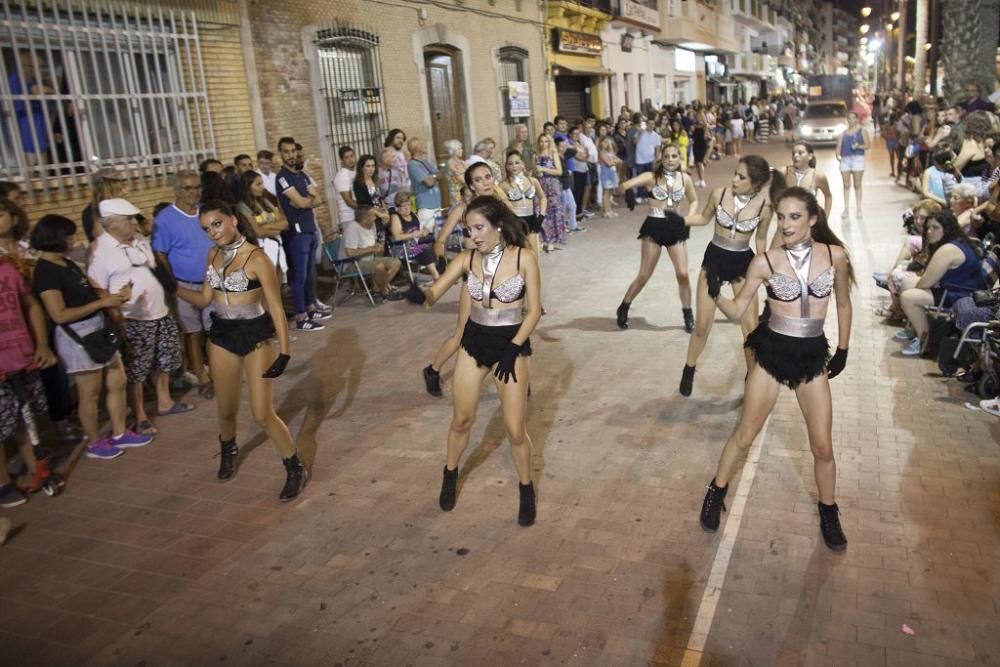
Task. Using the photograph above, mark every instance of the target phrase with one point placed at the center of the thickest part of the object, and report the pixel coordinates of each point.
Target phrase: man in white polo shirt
(152, 337)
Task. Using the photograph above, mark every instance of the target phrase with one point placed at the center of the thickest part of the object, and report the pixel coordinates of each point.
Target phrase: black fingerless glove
(837, 362)
(278, 367)
(415, 295)
(714, 284)
(442, 264)
(505, 367)
(630, 199)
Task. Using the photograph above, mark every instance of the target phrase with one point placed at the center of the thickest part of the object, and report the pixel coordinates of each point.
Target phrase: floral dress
(554, 223)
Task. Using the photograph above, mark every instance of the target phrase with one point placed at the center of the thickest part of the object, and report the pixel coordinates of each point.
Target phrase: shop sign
(519, 99)
(645, 12)
(569, 41)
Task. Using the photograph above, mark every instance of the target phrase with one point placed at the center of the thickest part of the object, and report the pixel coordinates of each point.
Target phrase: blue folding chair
(348, 268)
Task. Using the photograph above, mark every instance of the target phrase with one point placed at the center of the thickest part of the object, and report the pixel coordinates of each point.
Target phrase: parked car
(822, 122)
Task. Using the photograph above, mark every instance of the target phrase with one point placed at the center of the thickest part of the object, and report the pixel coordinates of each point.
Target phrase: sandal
(176, 408)
(145, 427)
(206, 390)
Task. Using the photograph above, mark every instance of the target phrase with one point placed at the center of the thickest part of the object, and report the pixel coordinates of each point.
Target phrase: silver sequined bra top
(521, 188)
(235, 281)
(508, 291)
(727, 221)
(670, 197)
(786, 288)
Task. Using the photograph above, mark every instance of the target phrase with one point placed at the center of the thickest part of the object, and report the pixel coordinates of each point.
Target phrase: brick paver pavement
(147, 560)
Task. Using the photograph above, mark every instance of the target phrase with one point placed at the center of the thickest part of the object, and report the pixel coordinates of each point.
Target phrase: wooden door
(443, 97)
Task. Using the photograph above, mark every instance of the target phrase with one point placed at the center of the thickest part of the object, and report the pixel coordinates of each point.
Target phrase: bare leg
(647, 264)
(846, 176)
(226, 368)
(857, 175)
(115, 383)
(468, 382)
(88, 386)
(262, 399)
(514, 402)
(135, 390)
(817, 408)
(163, 399)
(679, 257)
(703, 319)
(758, 401)
(194, 343)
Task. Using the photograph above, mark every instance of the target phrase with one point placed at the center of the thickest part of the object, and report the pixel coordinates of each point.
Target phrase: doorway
(445, 95)
(572, 96)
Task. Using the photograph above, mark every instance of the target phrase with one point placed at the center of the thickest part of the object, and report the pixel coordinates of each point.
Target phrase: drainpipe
(253, 83)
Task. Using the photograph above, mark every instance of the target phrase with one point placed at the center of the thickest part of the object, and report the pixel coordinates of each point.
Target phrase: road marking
(723, 554)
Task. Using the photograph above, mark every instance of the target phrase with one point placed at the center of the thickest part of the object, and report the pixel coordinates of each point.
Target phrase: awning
(581, 71)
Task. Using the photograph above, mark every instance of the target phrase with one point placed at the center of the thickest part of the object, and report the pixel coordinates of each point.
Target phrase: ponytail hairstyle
(500, 216)
(821, 231)
(658, 170)
(227, 209)
(760, 173)
(809, 149)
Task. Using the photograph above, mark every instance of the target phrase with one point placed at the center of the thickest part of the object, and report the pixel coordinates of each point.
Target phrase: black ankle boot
(295, 480)
(713, 506)
(449, 489)
(432, 380)
(526, 515)
(229, 452)
(687, 380)
(688, 320)
(829, 525)
(623, 315)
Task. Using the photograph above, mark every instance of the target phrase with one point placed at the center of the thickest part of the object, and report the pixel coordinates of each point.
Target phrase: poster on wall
(519, 99)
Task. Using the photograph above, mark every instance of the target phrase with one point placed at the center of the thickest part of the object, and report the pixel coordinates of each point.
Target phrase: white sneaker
(992, 406)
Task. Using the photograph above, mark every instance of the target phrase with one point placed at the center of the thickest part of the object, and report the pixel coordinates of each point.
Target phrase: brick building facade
(330, 72)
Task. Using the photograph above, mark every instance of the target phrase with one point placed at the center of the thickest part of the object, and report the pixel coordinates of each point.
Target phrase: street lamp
(864, 29)
(894, 17)
(865, 11)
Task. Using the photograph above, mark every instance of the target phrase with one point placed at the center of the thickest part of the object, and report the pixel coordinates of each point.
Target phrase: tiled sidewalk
(147, 560)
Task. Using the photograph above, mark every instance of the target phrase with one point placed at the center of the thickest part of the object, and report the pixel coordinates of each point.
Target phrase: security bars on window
(88, 85)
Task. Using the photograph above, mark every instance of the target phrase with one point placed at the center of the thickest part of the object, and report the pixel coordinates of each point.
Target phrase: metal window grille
(512, 66)
(86, 85)
(350, 68)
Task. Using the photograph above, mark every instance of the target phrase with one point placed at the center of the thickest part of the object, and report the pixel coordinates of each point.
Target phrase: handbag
(101, 345)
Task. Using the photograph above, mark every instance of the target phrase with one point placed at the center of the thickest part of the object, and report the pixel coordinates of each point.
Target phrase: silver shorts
(191, 319)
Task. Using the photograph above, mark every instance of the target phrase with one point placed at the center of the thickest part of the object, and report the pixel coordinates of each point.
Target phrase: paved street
(147, 560)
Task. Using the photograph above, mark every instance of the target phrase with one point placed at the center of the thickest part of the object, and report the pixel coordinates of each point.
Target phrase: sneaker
(103, 449)
(913, 348)
(131, 439)
(845, 216)
(588, 214)
(318, 315)
(187, 380)
(10, 496)
(307, 325)
(579, 229)
(904, 335)
(393, 295)
(990, 406)
(322, 307)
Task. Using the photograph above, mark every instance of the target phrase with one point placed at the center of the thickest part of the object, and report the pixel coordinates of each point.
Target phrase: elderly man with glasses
(152, 339)
(182, 246)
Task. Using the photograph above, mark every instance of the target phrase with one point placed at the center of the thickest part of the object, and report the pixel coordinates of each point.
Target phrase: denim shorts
(852, 163)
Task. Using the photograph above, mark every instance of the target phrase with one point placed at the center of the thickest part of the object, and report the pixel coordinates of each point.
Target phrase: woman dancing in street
(663, 228)
(791, 348)
(243, 286)
(502, 282)
(802, 173)
(479, 179)
(740, 211)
